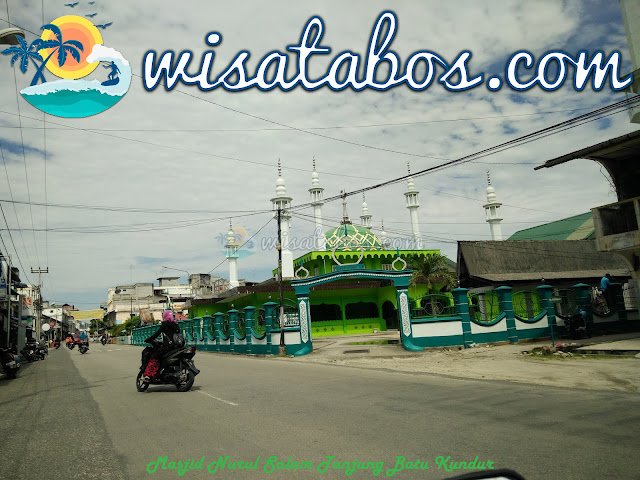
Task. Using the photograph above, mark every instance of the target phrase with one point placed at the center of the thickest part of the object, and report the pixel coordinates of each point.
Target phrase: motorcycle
(10, 363)
(83, 347)
(576, 326)
(176, 368)
(32, 351)
(56, 344)
(103, 340)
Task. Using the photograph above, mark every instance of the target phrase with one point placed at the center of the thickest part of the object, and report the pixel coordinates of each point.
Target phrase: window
(325, 312)
(361, 310)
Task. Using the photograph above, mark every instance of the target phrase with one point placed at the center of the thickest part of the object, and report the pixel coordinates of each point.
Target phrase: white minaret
(411, 196)
(317, 201)
(231, 251)
(491, 210)
(383, 237)
(282, 202)
(365, 217)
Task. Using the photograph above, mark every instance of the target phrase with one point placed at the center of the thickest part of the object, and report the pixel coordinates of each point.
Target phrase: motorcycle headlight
(31, 351)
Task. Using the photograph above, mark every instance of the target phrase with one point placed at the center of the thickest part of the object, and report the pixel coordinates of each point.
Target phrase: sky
(173, 169)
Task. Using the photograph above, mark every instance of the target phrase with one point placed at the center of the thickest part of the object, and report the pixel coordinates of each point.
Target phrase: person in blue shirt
(607, 293)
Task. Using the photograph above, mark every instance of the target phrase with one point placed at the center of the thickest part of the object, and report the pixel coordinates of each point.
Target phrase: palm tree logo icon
(62, 48)
(71, 48)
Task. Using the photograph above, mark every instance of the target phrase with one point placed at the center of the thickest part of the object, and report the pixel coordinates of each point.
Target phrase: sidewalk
(504, 362)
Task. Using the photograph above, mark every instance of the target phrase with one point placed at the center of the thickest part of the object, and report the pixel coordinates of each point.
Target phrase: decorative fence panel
(484, 307)
(526, 305)
(433, 306)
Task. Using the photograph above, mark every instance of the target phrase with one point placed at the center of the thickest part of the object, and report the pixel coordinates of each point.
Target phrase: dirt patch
(508, 363)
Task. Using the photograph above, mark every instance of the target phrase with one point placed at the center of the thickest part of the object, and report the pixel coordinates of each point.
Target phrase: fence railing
(434, 305)
(526, 304)
(484, 307)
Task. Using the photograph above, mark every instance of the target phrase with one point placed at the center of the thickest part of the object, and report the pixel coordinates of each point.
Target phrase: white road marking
(118, 349)
(216, 398)
(109, 350)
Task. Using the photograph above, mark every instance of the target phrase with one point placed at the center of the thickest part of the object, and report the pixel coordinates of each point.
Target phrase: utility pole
(39, 271)
(282, 349)
(7, 260)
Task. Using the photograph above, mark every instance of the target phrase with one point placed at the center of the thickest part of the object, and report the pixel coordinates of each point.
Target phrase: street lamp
(178, 270)
(9, 36)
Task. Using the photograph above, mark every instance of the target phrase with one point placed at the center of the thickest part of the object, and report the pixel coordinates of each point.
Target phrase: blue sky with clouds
(183, 150)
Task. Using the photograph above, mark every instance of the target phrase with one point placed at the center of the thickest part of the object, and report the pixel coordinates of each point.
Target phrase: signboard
(45, 327)
(555, 299)
(145, 315)
(52, 324)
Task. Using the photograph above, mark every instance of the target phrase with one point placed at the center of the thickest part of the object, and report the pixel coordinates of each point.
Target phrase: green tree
(26, 53)
(71, 47)
(432, 269)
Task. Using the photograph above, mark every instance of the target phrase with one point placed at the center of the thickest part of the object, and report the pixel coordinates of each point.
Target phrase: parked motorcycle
(56, 344)
(176, 368)
(103, 340)
(83, 347)
(576, 326)
(32, 351)
(10, 362)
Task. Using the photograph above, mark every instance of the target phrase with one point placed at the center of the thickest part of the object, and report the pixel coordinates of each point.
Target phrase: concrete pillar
(270, 309)
(545, 292)
(461, 302)
(233, 323)
(506, 306)
(249, 315)
(218, 326)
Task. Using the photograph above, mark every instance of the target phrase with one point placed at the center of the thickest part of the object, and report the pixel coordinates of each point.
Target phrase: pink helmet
(167, 316)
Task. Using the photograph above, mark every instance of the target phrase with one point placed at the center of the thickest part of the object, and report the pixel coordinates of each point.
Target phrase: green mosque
(355, 305)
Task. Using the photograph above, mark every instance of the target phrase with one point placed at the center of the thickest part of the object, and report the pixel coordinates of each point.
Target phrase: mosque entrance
(393, 317)
(390, 315)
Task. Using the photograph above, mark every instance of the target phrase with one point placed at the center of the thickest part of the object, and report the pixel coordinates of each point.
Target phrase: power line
(14, 211)
(131, 209)
(24, 158)
(14, 246)
(180, 149)
(507, 246)
(280, 129)
(245, 243)
(134, 228)
(554, 129)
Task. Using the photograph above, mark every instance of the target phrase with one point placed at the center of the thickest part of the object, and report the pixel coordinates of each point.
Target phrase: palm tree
(432, 269)
(71, 47)
(26, 53)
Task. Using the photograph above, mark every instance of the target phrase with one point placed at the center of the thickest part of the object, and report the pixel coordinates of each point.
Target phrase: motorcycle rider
(168, 328)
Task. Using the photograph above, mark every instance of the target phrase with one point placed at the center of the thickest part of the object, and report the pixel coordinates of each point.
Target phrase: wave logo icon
(71, 48)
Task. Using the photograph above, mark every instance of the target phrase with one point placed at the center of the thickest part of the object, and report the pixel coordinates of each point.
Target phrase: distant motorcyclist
(168, 328)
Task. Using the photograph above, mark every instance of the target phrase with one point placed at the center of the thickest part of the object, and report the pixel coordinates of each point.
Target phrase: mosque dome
(351, 237)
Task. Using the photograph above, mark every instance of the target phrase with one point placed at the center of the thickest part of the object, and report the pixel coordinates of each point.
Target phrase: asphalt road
(80, 416)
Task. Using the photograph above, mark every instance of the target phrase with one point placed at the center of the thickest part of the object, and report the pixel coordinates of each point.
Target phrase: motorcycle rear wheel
(188, 383)
(140, 384)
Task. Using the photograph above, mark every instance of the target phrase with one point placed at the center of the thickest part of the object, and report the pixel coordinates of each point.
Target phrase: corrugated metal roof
(524, 260)
(578, 227)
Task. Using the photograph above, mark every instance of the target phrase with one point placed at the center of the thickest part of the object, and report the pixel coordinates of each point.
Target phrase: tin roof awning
(619, 156)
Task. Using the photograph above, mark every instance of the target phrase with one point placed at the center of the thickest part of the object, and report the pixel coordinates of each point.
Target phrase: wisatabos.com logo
(241, 238)
(71, 48)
